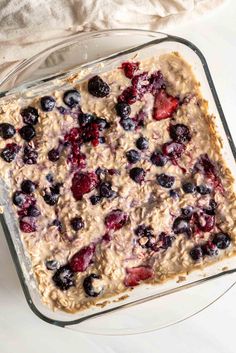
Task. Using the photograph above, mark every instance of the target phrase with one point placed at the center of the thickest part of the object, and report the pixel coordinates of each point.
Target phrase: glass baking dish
(99, 52)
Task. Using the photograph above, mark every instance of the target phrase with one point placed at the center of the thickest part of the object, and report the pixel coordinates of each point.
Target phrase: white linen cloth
(29, 26)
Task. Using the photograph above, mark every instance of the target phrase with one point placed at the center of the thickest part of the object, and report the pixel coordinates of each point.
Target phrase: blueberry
(50, 198)
(143, 231)
(47, 103)
(64, 278)
(102, 124)
(33, 211)
(105, 190)
(18, 198)
(100, 172)
(221, 240)
(53, 155)
(94, 199)
(166, 181)
(71, 98)
(180, 133)
(189, 187)
(127, 124)
(7, 131)
(158, 159)
(196, 253)
(137, 174)
(209, 249)
(51, 265)
(123, 110)
(181, 225)
(49, 177)
(77, 223)
(187, 212)
(97, 87)
(9, 152)
(203, 189)
(142, 143)
(30, 155)
(86, 118)
(27, 132)
(166, 240)
(55, 189)
(133, 156)
(89, 288)
(174, 193)
(57, 224)
(101, 139)
(28, 186)
(30, 115)
(211, 210)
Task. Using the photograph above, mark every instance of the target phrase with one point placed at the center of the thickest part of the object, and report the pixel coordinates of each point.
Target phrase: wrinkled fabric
(29, 26)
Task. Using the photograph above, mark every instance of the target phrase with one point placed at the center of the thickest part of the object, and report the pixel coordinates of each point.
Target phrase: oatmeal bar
(116, 181)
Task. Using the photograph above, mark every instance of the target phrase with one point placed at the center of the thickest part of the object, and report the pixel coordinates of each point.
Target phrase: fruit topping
(97, 87)
(204, 222)
(128, 124)
(181, 226)
(27, 132)
(54, 155)
(47, 103)
(92, 285)
(51, 265)
(27, 225)
(30, 115)
(95, 199)
(209, 249)
(71, 98)
(173, 150)
(130, 68)
(116, 219)
(33, 211)
(30, 155)
(137, 174)
(22, 200)
(77, 223)
(135, 275)
(123, 110)
(221, 240)
(180, 133)
(164, 105)
(28, 186)
(130, 95)
(142, 143)
(133, 156)
(64, 278)
(166, 181)
(83, 183)
(203, 189)
(9, 152)
(196, 253)
(188, 187)
(7, 131)
(81, 260)
(158, 159)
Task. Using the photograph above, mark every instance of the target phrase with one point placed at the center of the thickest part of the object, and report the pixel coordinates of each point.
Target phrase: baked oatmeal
(116, 181)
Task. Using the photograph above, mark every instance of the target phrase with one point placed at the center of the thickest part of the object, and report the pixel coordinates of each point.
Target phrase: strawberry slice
(82, 259)
(164, 105)
(136, 274)
(82, 183)
(116, 219)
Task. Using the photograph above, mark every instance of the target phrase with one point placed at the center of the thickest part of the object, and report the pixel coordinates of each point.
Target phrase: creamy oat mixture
(104, 205)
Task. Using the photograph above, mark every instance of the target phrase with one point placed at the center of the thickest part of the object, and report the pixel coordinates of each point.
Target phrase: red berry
(116, 219)
(130, 68)
(164, 105)
(82, 259)
(136, 274)
(27, 225)
(173, 150)
(204, 221)
(83, 183)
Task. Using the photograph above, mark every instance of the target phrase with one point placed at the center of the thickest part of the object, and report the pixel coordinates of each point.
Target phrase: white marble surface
(213, 330)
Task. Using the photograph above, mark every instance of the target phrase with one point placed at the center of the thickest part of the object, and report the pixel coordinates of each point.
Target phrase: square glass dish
(100, 52)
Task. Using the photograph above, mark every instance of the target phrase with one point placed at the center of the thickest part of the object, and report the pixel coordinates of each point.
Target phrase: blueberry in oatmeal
(47, 103)
(123, 110)
(166, 181)
(27, 132)
(142, 143)
(72, 98)
(128, 124)
(30, 115)
(7, 131)
(137, 174)
(97, 87)
(133, 156)
(90, 287)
